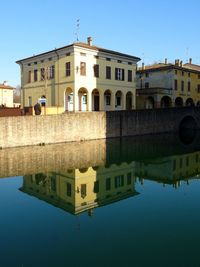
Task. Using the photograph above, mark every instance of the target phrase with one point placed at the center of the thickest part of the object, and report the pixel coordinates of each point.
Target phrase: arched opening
(198, 103)
(95, 100)
(68, 99)
(165, 102)
(118, 100)
(178, 102)
(83, 99)
(129, 100)
(187, 129)
(149, 102)
(189, 102)
(107, 100)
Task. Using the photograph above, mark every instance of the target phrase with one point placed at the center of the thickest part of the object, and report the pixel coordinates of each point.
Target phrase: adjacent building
(6, 95)
(168, 85)
(80, 77)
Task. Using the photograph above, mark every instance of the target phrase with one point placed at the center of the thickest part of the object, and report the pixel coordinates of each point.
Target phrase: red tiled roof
(3, 86)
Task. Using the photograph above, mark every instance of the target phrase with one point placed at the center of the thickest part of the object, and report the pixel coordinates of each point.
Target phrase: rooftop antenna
(77, 29)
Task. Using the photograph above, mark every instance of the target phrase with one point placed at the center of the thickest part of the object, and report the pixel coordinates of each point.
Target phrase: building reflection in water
(79, 190)
(163, 159)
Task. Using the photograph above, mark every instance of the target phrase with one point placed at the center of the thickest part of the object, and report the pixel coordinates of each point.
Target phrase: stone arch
(95, 100)
(149, 102)
(83, 99)
(187, 129)
(107, 100)
(165, 102)
(129, 100)
(68, 99)
(189, 102)
(119, 100)
(179, 102)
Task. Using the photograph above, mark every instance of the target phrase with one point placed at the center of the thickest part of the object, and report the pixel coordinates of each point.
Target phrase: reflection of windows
(53, 184)
(84, 99)
(83, 190)
(174, 164)
(69, 189)
(181, 162)
(96, 187)
(129, 178)
(182, 86)
(108, 184)
(175, 84)
(119, 181)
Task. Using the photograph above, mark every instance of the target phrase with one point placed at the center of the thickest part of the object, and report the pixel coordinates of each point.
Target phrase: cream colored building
(6, 95)
(79, 190)
(80, 77)
(168, 85)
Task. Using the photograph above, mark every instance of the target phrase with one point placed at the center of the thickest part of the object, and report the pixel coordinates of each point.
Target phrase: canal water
(118, 202)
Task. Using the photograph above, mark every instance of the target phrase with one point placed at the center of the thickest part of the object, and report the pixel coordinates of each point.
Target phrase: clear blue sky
(152, 30)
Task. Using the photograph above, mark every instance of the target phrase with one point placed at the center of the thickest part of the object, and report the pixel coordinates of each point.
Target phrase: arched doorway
(83, 99)
(107, 100)
(149, 102)
(165, 102)
(118, 100)
(95, 100)
(189, 102)
(68, 99)
(178, 102)
(129, 100)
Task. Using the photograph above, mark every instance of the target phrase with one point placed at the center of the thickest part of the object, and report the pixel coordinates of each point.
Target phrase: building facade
(80, 77)
(168, 85)
(6, 95)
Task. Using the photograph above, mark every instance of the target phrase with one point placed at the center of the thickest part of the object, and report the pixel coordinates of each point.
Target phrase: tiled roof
(192, 66)
(155, 66)
(3, 86)
(84, 45)
(163, 66)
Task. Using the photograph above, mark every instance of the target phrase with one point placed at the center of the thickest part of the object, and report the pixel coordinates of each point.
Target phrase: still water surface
(128, 202)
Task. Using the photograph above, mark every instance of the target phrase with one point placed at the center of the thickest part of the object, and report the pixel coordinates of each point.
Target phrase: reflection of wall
(82, 189)
(169, 169)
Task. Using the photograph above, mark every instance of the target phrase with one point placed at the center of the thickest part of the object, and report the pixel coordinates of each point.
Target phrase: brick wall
(34, 130)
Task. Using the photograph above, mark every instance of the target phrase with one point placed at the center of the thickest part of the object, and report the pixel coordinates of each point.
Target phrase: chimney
(165, 61)
(190, 60)
(89, 41)
(177, 62)
(5, 83)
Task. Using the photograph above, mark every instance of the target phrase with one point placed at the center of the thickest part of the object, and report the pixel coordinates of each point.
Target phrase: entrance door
(96, 102)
